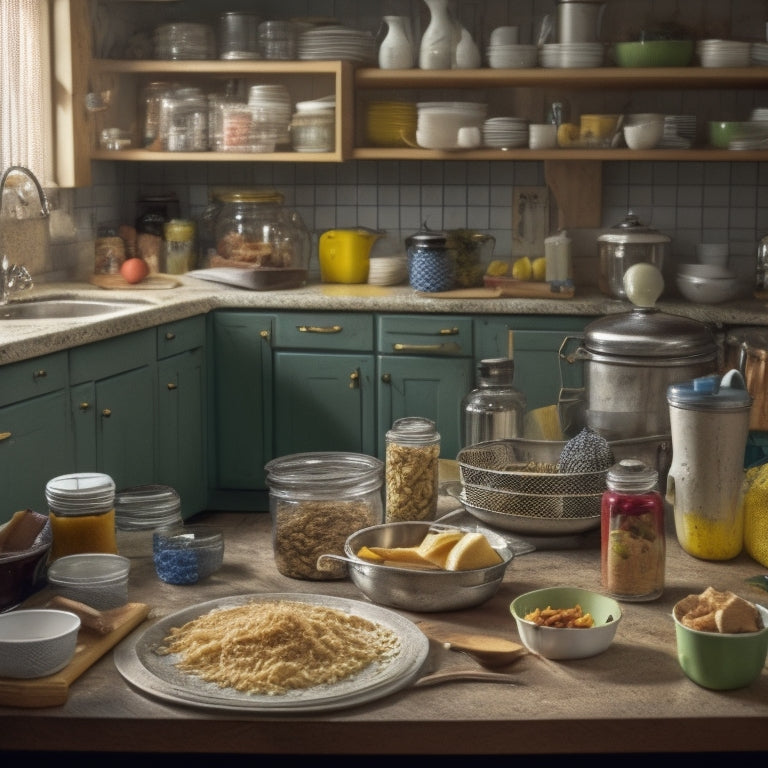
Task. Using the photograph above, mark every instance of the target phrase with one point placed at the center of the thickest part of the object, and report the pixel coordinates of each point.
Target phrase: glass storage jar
(317, 500)
(141, 510)
(179, 253)
(253, 229)
(82, 514)
(633, 546)
(412, 480)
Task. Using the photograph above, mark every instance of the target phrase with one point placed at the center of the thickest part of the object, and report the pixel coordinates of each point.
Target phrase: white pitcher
(397, 50)
(440, 38)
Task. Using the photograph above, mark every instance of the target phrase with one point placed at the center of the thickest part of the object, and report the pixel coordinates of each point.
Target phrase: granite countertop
(24, 339)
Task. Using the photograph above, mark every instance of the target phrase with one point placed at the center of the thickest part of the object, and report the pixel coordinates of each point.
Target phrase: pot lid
(647, 332)
(427, 236)
(631, 230)
(711, 393)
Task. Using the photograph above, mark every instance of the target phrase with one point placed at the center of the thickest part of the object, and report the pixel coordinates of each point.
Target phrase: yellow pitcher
(344, 254)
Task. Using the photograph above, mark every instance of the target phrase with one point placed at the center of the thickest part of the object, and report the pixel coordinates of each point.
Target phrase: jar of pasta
(82, 514)
(317, 500)
(633, 547)
(412, 460)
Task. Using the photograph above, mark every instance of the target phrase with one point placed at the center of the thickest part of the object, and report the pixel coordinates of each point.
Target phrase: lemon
(497, 268)
(568, 134)
(539, 267)
(522, 269)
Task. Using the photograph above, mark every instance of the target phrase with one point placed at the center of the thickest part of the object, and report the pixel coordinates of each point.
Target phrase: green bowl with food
(654, 53)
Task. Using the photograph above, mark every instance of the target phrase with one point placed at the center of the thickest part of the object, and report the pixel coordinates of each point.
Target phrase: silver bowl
(418, 590)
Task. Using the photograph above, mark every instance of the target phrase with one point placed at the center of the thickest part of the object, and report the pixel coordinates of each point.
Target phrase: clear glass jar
(313, 131)
(179, 253)
(253, 228)
(494, 410)
(82, 514)
(141, 510)
(633, 545)
(153, 95)
(317, 500)
(431, 261)
(412, 479)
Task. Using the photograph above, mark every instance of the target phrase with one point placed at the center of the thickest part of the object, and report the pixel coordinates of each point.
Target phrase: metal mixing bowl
(419, 590)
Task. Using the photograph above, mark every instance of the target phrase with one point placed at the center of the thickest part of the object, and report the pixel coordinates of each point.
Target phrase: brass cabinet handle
(170, 385)
(106, 413)
(5, 435)
(354, 380)
(84, 406)
(41, 373)
(170, 336)
(319, 329)
(386, 378)
(448, 332)
(264, 335)
(452, 346)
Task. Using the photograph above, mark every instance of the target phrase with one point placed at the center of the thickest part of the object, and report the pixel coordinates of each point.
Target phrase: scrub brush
(586, 452)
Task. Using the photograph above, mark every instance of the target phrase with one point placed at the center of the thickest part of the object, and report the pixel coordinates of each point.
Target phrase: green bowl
(722, 662)
(654, 53)
(721, 134)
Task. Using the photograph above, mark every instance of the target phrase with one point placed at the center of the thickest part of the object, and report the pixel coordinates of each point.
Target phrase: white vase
(440, 38)
(396, 50)
(467, 52)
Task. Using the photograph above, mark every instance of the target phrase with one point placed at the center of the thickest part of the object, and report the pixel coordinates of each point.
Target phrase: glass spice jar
(82, 514)
(633, 546)
(411, 470)
(316, 501)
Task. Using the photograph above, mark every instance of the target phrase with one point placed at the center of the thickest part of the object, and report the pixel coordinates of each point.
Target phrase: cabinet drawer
(329, 330)
(106, 358)
(180, 336)
(29, 378)
(444, 335)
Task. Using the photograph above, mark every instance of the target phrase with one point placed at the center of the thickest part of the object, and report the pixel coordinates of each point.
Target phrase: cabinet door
(114, 426)
(239, 396)
(431, 387)
(181, 407)
(323, 402)
(34, 447)
(534, 344)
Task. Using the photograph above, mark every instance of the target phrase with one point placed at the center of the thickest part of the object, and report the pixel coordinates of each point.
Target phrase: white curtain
(26, 135)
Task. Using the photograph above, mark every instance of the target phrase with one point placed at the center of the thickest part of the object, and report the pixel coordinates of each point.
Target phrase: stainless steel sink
(56, 309)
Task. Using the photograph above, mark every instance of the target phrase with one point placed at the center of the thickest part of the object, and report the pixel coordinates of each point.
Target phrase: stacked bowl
(643, 131)
(723, 53)
(571, 55)
(270, 106)
(707, 283)
(512, 56)
(439, 122)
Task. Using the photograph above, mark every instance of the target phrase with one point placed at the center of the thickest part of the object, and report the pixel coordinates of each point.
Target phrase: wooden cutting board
(149, 283)
(53, 691)
(521, 289)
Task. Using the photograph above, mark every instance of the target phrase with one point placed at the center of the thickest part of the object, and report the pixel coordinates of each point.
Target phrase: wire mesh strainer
(564, 506)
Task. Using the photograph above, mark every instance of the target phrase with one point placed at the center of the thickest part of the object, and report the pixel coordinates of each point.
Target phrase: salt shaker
(633, 547)
(411, 470)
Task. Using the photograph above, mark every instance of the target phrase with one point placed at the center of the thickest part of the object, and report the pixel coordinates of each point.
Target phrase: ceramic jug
(467, 52)
(440, 38)
(396, 50)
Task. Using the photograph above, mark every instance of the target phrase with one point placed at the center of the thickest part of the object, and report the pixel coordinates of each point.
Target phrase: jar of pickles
(82, 514)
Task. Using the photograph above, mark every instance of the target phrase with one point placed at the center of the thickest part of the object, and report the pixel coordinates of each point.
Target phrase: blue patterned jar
(431, 261)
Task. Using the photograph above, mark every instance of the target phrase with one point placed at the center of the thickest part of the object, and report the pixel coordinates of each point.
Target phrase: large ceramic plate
(156, 675)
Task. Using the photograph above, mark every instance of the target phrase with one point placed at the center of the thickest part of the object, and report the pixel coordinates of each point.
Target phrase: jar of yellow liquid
(82, 514)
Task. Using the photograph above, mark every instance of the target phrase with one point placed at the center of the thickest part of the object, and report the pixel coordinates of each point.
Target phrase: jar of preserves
(179, 246)
(253, 229)
(412, 481)
(82, 514)
(431, 261)
(317, 500)
(633, 546)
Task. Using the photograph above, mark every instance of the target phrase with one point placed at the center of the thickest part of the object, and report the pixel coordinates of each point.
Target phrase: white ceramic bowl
(708, 290)
(36, 642)
(704, 270)
(567, 643)
(644, 135)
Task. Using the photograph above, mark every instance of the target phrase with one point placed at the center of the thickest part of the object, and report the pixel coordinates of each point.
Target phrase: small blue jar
(431, 262)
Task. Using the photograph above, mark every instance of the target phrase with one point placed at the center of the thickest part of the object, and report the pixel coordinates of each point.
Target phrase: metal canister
(431, 261)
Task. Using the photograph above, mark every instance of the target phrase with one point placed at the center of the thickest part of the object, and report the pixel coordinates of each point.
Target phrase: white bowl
(36, 642)
(644, 135)
(567, 643)
(704, 270)
(713, 253)
(708, 290)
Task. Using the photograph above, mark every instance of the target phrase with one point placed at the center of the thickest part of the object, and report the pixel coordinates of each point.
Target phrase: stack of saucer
(571, 55)
(758, 54)
(505, 132)
(270, 106)
(679, 132)
(723, 53)
(388, 270)
(512, 56)
(337, 42)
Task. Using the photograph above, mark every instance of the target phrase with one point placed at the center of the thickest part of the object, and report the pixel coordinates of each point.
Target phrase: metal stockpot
(629, 360)
(628, 242)
(746, 349)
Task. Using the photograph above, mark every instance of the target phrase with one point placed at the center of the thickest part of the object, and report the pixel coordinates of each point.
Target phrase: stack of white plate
(505, 132)
(723, 53)
(512, 56)
(571, 55)
(337, 42)
(271, 108)
(759, 115)
(388, 270)
(758, 54)
(679, 132)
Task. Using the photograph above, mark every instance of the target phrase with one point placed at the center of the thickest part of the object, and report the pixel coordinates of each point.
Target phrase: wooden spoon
(489, 650)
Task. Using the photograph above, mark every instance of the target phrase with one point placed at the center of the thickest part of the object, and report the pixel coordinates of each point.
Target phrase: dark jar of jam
(633, 547)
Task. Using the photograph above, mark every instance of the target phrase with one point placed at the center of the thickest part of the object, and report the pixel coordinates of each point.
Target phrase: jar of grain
(412, 456)
(633, 546)
(82, 514)
(317, 500)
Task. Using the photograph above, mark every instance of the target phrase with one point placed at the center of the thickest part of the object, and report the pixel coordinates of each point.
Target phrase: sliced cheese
(472, 551)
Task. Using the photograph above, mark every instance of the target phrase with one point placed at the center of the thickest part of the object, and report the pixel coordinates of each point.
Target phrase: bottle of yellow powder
(82, 514)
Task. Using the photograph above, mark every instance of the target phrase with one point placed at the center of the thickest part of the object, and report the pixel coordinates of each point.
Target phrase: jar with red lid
(633, 546)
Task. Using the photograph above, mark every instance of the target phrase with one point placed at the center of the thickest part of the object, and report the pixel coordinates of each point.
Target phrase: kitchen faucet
(15, 277)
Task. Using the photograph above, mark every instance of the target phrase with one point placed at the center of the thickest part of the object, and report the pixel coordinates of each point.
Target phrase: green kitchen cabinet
(424, 368)
(324, 394)
(240, 407)
(113, 407)
(533, 342)
(181, 412)
(35, 443)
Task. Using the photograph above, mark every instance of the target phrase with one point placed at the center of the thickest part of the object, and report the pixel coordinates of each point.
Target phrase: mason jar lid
(251, 196)
(146, 506)
(88, 569)
(81, 493)
(427, 236)
(632, 475)
(413, 430)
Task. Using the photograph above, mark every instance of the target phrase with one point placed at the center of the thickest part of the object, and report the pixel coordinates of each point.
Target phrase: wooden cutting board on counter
(512, 289)
(149, 283)
(53, 690)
